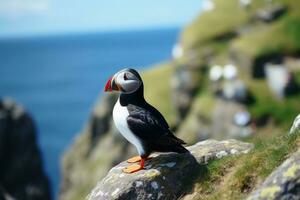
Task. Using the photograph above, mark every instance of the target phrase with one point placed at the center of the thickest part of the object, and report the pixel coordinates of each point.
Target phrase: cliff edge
(21, 172)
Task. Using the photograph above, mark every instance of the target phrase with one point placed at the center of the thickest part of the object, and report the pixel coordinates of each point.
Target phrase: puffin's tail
(177, 144)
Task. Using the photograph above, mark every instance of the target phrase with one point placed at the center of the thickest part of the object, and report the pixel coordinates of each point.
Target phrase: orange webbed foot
(135, 167)
(132, 168)
(134, 159)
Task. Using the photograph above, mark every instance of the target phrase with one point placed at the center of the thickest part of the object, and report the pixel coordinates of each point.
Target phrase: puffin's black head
(126, 81)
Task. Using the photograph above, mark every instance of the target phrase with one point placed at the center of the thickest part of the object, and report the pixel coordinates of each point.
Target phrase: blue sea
(59, 78)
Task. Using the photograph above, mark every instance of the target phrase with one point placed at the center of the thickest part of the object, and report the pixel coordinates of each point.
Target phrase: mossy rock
(167, 176)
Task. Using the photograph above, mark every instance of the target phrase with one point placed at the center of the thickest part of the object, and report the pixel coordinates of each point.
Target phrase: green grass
(236, 177)
(284, 39)
(204, 27)
(225, 18)
(279, 36)
(157, 83)
(202, 106)
(282, 112)
(242, 173)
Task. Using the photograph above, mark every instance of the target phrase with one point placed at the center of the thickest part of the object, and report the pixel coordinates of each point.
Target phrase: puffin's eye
(125, 77)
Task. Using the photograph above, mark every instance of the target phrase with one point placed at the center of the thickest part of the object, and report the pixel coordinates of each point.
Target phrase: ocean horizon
(59, 78)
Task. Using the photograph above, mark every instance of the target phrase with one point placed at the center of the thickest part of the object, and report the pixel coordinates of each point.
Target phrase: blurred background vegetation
(252, 36)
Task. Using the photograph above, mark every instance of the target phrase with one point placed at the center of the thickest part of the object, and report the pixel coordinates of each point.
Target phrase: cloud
(13, 9)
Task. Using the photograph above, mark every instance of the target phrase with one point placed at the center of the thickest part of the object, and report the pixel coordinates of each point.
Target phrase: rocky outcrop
(270, 13)
(167, 176)
(185, 82)
(225, 112)
(21, 172)
(296, 126)
(213, 118)
(283, 183)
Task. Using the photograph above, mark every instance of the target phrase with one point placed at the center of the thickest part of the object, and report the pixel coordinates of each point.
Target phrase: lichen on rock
(283, 183)
(296, 126)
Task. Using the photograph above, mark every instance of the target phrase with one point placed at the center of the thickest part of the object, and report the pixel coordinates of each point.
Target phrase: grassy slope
(235, 177)
(285, 35)
(225, 18)
(282, 112)
(158, 90)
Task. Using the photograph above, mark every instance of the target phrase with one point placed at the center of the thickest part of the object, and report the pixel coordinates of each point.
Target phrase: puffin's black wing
(147, 124)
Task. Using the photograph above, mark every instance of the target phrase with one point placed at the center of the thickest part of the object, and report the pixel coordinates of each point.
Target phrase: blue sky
(34, 17)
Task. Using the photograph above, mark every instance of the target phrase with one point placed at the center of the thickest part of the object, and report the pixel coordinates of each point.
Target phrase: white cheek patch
(128, 85)
(131, 85)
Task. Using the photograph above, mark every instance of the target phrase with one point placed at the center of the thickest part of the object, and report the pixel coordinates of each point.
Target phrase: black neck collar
(135, 98)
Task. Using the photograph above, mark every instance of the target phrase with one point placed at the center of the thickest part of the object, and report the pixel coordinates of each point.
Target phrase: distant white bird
(230, 72)
(296, 125)
(242, 118)
(177, 51)
(208, 5)
(245, 3)
(215, 73)
(277, 78)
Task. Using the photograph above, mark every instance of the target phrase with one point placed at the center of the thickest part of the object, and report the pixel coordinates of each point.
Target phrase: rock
(185, 83)
(253, 64)
(167, 176)
(225, 111)
(296, 126)
(283, 183)
(212, 117)
(101, 118)
(271, 13)
(292, 87)
(21, 171)
(235, 90)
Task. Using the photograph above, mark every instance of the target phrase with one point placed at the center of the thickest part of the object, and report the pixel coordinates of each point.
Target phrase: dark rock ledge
(167, 176)
(22, 176)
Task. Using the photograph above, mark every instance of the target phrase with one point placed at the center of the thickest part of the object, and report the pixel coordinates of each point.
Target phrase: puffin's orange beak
(108, 87)
(112, 85)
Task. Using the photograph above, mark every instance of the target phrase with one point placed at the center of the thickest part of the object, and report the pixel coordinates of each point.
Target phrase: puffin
(138, 121)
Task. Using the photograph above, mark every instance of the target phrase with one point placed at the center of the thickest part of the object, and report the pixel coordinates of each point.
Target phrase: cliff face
(21, 172)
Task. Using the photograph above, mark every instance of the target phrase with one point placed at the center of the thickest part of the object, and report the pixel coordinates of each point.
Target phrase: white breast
(120, 114)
